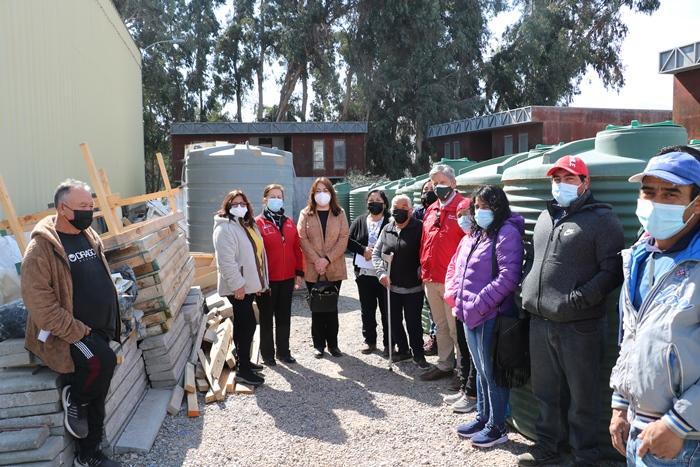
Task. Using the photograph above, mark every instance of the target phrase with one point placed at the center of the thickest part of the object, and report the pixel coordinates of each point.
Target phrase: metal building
(69, 73)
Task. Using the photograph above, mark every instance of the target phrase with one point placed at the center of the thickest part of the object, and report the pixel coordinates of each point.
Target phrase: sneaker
(472, 428)
(537, 455)
(249, 377)
(452, 398)
(97, 459)
(430, 346)
(490, 437)
(422, 363)
(75, 415)
(401, 356)
(464, 404)
(368, 348)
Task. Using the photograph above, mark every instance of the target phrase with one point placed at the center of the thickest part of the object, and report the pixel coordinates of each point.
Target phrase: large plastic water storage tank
(343, 191)
(417, 188)
(488, 172)
(211, 173)
(612, 157)
(358, 201)
(456, 164)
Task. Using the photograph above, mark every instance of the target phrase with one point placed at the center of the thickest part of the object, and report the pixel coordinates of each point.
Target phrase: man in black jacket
(576, 244)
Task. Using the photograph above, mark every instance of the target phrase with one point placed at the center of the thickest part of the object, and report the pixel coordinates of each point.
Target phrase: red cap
(572, 164)
(464, 204)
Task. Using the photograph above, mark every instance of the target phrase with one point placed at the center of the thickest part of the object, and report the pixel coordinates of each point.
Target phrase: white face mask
(323, 198)
(662, 221)
(564, 193)
(238, 211)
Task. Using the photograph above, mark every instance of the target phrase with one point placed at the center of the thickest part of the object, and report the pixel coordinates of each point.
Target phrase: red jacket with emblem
(284, 257)
(439, 243)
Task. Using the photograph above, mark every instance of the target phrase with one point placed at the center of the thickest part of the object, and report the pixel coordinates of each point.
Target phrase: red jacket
(439, 243)
(284, 257)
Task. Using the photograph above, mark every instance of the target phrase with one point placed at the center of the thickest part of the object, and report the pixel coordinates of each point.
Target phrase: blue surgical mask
(483, 218)
(465, 223)
(662, 221)
(564, 193)
(275, 204)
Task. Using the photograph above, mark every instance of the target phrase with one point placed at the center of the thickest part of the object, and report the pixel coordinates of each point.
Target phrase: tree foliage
(399, 65)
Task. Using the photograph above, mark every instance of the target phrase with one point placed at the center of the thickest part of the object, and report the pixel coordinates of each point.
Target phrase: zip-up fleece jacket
(47, 291)
(657, 374)
(359, 236)
(284, 257)
(576, 263)
(439, 243)
(235, 258)
(405, 244)
(470, 288)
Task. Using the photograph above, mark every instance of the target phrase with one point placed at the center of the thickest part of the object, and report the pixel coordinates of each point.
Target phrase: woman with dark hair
(478, 290)
(364, 233)
(242, 264)
(323, 230)
(283, 250)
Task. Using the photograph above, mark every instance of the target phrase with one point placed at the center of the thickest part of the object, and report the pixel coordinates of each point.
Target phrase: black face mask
(82, 219)
(428, 198)
(375, 208)
(444, 192)
(400, 215)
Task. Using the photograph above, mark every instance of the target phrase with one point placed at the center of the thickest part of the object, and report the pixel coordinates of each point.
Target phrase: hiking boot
(464, 404)
(430, 346)
(452, 398)
(434, 374)
(422, 363)
(75, 415)
(490, 437)
(537, 455)
(249, 377)
(368, 348)
(401, 356)
(471, 429)
(96, 459)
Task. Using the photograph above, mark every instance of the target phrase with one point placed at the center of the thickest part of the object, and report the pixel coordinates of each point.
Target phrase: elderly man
(441, 235)
(576, 242)
(402, 236)
(73, 313)
(656, 381)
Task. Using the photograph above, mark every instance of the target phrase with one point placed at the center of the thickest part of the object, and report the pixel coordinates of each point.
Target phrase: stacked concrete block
(13, 354)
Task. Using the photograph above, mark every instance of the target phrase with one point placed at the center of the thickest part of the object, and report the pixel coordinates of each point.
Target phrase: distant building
(684, 64)
(519, 130)
(319, 148)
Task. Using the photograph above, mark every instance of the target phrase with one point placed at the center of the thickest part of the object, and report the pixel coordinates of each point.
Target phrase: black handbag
(323, 296)
(510, 344)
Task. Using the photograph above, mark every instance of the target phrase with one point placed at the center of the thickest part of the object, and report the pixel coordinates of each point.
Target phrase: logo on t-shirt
(81, 256)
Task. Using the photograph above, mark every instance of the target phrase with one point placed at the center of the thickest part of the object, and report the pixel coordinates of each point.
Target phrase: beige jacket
(333, 247)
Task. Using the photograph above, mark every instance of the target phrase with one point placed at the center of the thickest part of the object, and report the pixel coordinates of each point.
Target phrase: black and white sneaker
(249, 377)
(75, 415)
(97, 459)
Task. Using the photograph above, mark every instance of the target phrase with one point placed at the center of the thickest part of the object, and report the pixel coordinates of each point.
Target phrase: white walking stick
(389, 258)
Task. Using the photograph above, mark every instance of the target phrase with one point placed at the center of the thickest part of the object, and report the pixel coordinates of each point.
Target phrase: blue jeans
(566, 359)
(688, 455)
(491, 401)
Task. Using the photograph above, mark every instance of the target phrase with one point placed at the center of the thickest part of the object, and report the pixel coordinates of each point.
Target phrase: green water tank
(417, 189)
(358, 201)
(456, 164)
(695, 143)
(343, 190)
(612, 157)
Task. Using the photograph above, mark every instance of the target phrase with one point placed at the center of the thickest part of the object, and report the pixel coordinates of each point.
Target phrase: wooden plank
(166, 181)
(226, 310)
(210, 396)
(255, 346)
(227, 375)
(202, 271)
(138, 230)
(140, 245)
(192, 405)
(176, 400)
(110, 215)
(219, 348)
(243, 388)
(202, 385)
(9, 210)
(210, 335)
(27, 222)
(189, 377)
(170, 280)
(213, 384)
(173, 296)
(206, 281)
(203, 260)
(115, 200)
(230, 359)
(198, 342)
(146, 256)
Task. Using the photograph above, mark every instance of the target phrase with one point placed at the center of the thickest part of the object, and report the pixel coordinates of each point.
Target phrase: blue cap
(678, 168)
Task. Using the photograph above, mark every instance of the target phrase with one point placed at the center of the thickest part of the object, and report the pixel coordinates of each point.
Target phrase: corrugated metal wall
(69, 73)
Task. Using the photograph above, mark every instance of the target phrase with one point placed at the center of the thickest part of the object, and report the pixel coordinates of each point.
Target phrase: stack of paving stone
(164, 274)
(165, 355)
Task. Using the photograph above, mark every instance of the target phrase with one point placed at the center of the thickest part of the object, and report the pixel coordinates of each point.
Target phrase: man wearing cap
(656, 381)
(576, 245)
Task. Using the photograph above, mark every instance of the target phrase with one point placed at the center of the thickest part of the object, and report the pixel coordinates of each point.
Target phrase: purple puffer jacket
(469, 287)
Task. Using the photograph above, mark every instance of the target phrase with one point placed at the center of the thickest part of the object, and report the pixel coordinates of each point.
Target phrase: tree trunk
(304, 97)
(419, 139)
(261, 61)
(348, 87)
(290, 82)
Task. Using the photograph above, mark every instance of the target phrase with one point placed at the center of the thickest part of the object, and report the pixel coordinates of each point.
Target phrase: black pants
(372, 293)
(276, 303)
(94, 364)
(324, 326)
(243, 328)
(468, 371)
(408, 307)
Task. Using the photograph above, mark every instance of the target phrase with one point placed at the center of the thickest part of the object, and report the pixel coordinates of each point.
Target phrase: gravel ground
(347, 411)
